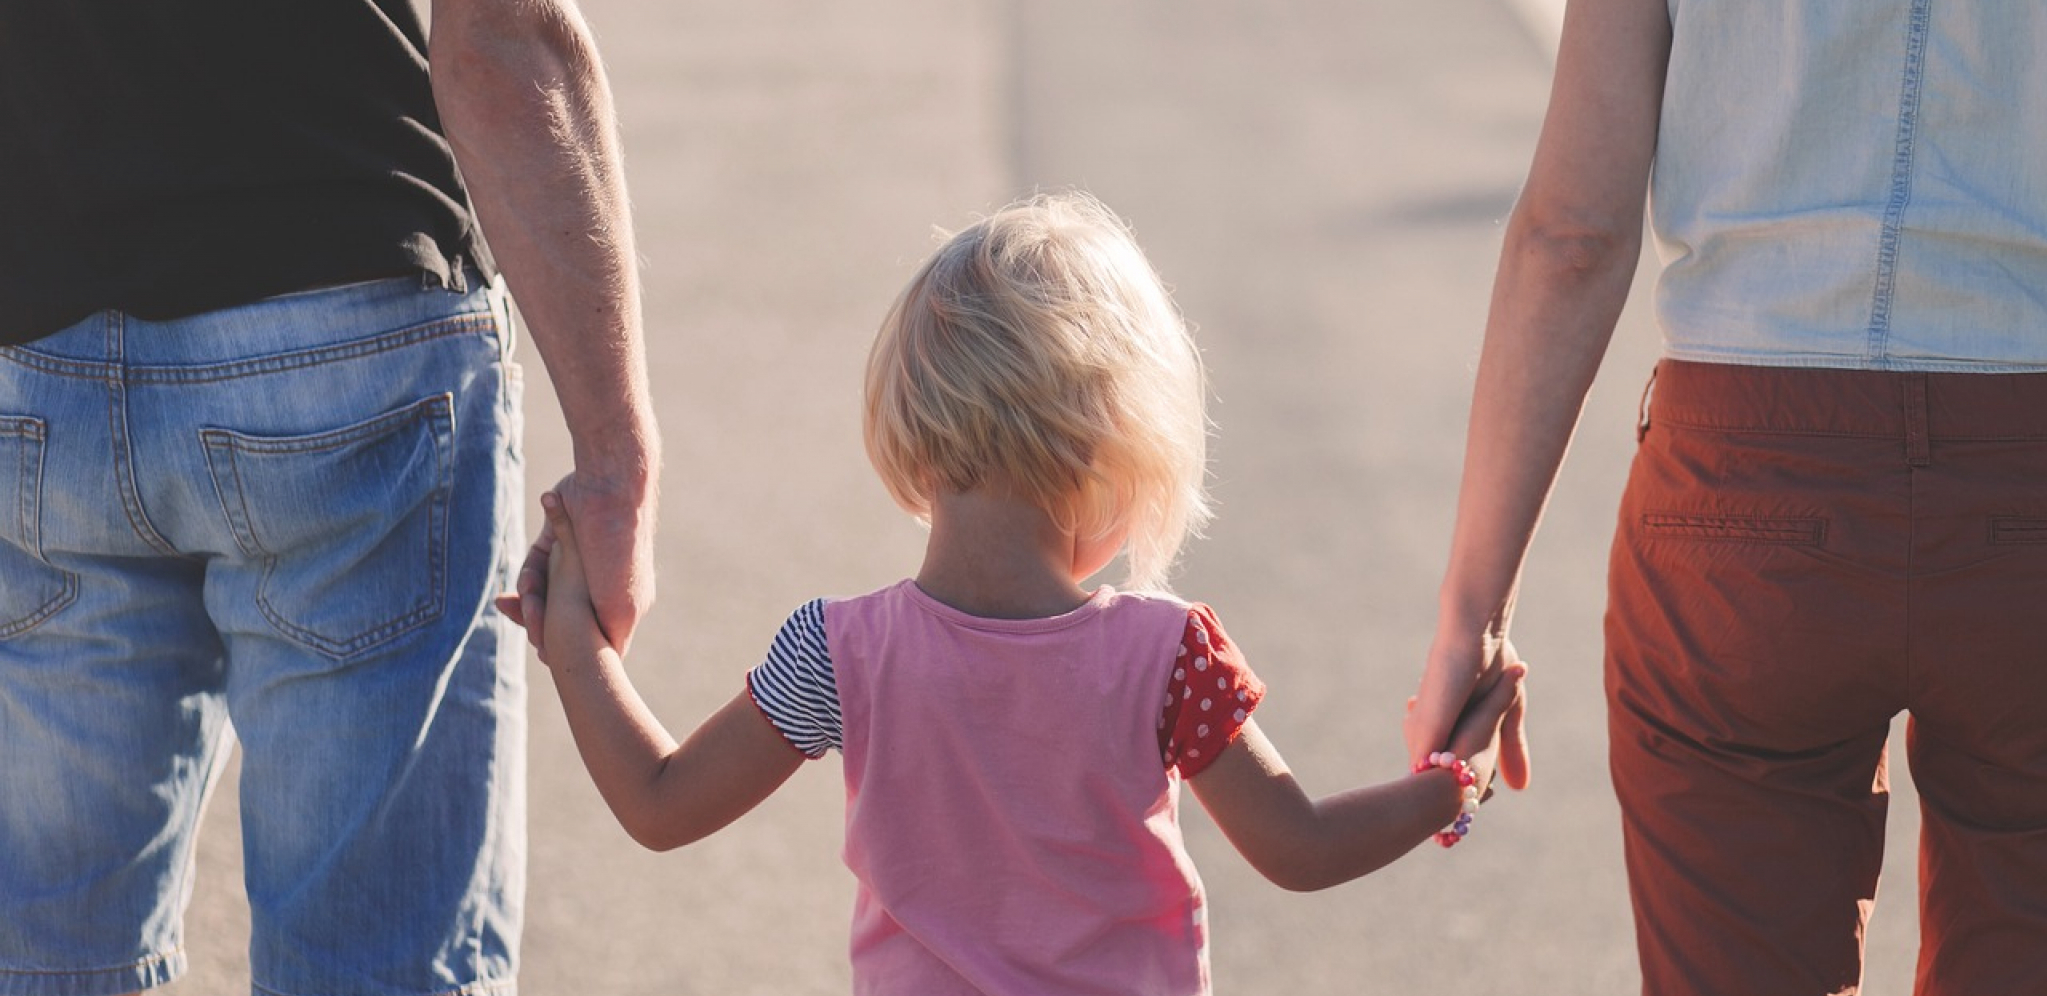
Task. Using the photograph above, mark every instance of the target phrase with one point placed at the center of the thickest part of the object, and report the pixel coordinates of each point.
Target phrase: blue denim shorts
(283, 523)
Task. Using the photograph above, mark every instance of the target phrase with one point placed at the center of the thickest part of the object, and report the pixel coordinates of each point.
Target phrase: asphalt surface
(1323, 185)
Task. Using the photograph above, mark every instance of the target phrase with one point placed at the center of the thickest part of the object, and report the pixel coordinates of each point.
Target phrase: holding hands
(558, 608)
(1488, 733)
(664, 794)
(615, 567)
(1459, 688)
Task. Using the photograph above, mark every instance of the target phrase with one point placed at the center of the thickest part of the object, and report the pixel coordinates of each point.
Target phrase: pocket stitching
(437, 413)
(2018, 530)
(438, 406)
(1766, 530)
(57, 603)
(28, 520)
(220, 460)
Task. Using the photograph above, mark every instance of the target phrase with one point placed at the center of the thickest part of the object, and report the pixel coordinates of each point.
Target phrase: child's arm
(664, 795)
(1307, 844)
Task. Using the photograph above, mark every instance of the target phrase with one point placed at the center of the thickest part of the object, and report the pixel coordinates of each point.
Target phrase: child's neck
(999, 557)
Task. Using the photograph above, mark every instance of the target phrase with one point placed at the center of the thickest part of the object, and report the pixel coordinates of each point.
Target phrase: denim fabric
(284, 523)
(1854, 184)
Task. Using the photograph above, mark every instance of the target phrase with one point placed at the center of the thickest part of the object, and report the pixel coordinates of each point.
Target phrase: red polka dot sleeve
(1210, 696)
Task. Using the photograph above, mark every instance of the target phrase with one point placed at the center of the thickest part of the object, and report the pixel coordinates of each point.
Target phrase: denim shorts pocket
(31, 589)
(349, 526)
(1781, 531)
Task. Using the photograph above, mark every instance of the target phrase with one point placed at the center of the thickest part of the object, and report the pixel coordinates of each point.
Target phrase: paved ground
(1323, 185)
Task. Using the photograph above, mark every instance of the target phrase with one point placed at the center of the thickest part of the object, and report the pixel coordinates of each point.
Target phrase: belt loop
(506, 312)
(1918, 449)
(456, 281)
(1642, 412)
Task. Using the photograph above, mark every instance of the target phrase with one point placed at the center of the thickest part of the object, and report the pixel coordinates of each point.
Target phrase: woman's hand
(1488, 733)
(1451, 686)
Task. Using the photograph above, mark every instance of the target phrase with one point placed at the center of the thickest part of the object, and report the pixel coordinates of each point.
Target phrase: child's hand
(531, 590)
(1459, 673)
(570, 630)
(1476, 737)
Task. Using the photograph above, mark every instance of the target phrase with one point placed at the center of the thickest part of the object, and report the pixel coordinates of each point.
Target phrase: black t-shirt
(169, 158)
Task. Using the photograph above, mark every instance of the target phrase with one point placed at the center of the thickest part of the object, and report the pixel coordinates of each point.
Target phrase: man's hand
(615, 527)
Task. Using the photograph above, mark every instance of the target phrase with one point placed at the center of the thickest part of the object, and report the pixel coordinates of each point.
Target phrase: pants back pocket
(31, 589)
(348, 526)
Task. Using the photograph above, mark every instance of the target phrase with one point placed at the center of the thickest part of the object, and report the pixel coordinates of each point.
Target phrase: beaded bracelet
(1468, 780)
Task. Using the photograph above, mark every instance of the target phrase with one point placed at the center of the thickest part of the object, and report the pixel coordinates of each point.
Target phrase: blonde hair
(1039, 344)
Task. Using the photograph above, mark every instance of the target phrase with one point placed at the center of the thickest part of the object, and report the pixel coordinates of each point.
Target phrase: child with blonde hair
(1014, 742)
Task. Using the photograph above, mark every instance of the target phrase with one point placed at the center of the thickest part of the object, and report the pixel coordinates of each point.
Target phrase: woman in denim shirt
(1839, 507)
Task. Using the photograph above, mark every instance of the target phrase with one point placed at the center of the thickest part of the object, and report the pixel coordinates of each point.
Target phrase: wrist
(1445, 795)
(587, 660)
(1448, 768)
(1469, 622)
(1470, 608)
(1467, 633)
(631, 472)
(620, 446)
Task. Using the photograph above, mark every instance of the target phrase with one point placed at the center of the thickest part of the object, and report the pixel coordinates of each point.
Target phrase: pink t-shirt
(798, 693)
(1008, 818)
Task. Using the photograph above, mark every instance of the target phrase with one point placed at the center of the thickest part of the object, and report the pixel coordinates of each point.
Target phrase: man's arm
(524, 100)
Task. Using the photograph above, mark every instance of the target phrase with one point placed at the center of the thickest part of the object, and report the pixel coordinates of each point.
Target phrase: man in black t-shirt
(259, 468)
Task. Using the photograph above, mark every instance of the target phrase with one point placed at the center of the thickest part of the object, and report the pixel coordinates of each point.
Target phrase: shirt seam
(1878, 338)
(930, 605)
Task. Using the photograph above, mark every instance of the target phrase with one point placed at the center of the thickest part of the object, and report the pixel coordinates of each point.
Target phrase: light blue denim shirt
(1855, 183)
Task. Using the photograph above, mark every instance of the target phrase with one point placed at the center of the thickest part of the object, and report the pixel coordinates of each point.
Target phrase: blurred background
(1323, 185)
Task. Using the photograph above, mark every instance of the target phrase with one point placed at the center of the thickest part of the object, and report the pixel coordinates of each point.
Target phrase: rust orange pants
(1802, 554)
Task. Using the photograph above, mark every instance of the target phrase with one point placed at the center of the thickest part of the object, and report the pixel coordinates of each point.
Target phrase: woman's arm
(1307, 844)
(1572, 245)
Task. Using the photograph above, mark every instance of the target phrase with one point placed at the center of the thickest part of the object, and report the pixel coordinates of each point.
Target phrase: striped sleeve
(795, 687)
